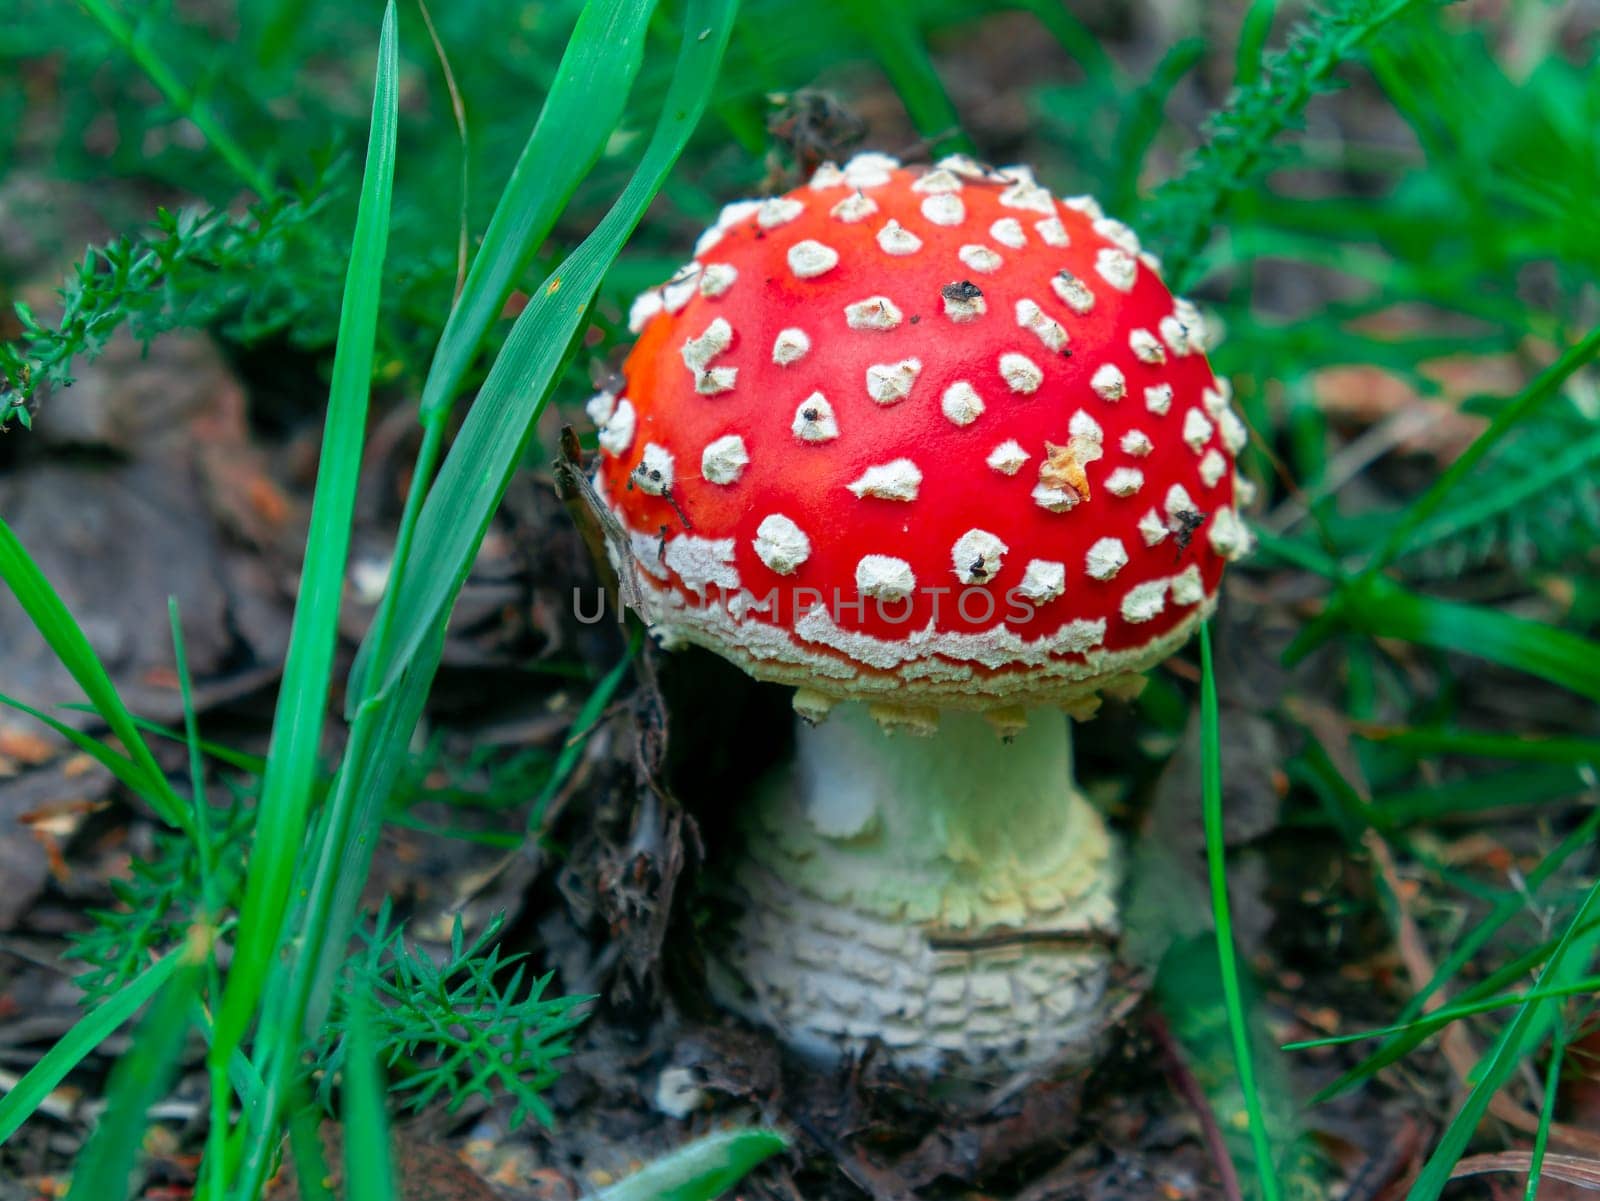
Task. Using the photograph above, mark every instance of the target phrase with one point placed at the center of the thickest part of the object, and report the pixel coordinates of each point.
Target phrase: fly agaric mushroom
(934, 447)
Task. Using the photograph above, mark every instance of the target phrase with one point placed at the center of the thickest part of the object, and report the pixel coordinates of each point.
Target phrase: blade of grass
(582, 725)
(1499, 1063)
(584, 106)
(1538, 784)
(50, 616)
(124, 769)
(367, 1164)
(178, 95)
(1216, 862)
(1253, 32)
(1504, 495)
(141, 1078)
(1141, 119)
(1077, 39)
(496, 431)
(1537, 748)
(78, 1043)
(203, 843)
(286, 786)
(251, 764)
(210, 891)
(305, 1145)
(1398, 1045)
(582, 110)
(890, 30)
(699, 1171)
(1446, 1014)
(489, 446)
(1383, 609)
(1546, 385)
(272, 25)
(1547, 1112)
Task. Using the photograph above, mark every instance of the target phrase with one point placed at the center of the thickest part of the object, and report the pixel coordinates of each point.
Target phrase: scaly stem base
(952, 897)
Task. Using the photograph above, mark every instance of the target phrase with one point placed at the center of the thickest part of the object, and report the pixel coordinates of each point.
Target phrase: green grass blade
(1444, 1015)
(272, 26)
(1382, 609)
(496, 431)
(582, 724)
(1253, 32)
(459, 506)
(367, 1164)
(305, 1145)
(1534, 748)
(1080, 42)
(1405, 1036)
(1216, 861)
(178, 95)
(1499, 1063)
(333, 882)
(584, 106)
(140, 1079)
(203, 843)
(1141, 120)
(66, 639)
(124, 769)
(1547, 1113)
(701, 1171)
(1546, 385)
(581, 111)
(1504, 495)
(212, 893)
(250, 764)
(1536, 784)
(286, 787)
(18, 1105)
(486, 451)
(890, 30)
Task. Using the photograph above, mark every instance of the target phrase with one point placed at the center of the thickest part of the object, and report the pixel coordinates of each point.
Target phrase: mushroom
(942, 452)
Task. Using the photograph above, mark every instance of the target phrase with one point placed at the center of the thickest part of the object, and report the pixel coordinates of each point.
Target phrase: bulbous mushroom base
(951, 898)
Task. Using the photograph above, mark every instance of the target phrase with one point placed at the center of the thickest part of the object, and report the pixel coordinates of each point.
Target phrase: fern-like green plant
(1240, 144)
(156, 903)
(473, 1025)
(193, 266)
(1533, 501)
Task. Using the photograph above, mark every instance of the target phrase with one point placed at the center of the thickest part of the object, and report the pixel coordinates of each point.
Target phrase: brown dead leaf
(1577, 1170)
(121, 529)
(1365, 395)
(25, 748)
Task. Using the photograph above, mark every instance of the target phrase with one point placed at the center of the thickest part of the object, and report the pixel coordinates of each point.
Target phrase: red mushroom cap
(923, 436)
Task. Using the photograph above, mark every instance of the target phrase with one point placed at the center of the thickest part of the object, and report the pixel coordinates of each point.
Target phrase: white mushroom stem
(950, 897)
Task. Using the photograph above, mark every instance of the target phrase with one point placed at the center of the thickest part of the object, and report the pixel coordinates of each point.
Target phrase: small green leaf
(56, 624)
(78, 1043)
(1383, 609)
(140, 1079)
(700, 1171)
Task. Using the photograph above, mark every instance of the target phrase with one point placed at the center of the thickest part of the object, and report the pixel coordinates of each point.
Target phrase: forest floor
(187, 472)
